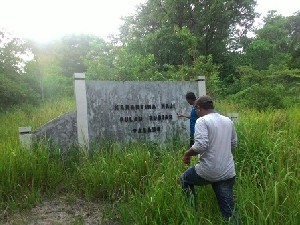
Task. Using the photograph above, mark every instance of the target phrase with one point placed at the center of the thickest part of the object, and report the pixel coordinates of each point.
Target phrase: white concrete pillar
(201, 90)
(25, 137)
(233, 116)
(201, 86)
(81, 104)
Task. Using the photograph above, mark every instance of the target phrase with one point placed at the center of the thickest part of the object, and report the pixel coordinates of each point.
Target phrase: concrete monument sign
(25, 137)
(132, 110)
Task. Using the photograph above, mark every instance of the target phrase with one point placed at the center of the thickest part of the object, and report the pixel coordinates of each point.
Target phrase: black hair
(205, 102)
(190, 96)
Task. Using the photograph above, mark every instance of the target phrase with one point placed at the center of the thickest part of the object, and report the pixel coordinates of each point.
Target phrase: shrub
(14, 92)
(261, 97)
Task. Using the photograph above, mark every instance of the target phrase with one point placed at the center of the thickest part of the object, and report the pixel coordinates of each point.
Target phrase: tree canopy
(212, 24)
(166, 40)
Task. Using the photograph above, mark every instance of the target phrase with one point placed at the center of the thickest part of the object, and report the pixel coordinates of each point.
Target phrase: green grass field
(141, 180)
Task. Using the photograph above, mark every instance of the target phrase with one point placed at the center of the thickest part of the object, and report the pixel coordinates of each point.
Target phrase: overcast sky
(45, 20)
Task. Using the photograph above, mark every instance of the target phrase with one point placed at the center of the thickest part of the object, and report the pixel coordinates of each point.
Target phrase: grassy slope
(143, 179)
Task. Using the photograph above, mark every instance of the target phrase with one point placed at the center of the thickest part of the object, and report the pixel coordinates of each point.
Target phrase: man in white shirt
(215, 138)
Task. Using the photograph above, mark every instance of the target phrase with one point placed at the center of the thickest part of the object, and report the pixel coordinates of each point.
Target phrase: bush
(56, 86)
(261, 97)
(14, 92)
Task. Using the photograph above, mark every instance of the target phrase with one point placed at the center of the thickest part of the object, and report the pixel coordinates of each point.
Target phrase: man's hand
(186, 159)
(188, 155)
(180, 115)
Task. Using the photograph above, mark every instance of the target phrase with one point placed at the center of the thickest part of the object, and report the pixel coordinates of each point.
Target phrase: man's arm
(201, 141)
(201, 136)
(183, 115)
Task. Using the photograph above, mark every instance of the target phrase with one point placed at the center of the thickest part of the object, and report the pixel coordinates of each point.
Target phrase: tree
(99, 60)
(57, 62)
(260, 54)
(71, 51)
(276, 43)
(16, 86)
(294, 23)
(11, 51)
(212, 22)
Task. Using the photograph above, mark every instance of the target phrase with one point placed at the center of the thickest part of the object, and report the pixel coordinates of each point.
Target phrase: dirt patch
(63, 211)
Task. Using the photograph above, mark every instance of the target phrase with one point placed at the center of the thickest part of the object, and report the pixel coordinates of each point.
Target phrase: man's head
(204, 105)
(190, 98)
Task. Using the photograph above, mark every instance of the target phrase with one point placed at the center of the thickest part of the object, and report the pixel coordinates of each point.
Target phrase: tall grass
(25, 175)
(142, 178)
(268, 163)
(28, 115)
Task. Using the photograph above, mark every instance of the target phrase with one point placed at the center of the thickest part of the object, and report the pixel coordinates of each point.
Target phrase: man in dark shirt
(191, 99)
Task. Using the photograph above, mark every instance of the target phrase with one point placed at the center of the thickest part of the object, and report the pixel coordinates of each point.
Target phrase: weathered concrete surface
(61, 131)
(125, 111)
(130, 111)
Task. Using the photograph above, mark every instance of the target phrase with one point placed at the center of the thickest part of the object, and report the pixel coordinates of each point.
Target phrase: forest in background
(257, 67)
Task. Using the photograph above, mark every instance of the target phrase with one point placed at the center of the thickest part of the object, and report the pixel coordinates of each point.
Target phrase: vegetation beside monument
(141, 179)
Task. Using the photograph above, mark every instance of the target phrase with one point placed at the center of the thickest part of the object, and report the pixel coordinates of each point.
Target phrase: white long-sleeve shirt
(215, 137)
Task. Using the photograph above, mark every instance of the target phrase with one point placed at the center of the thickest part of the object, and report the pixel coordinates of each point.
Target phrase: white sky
(45, 20)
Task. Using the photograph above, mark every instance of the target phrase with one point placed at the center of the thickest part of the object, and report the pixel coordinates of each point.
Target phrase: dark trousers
(223, 190)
